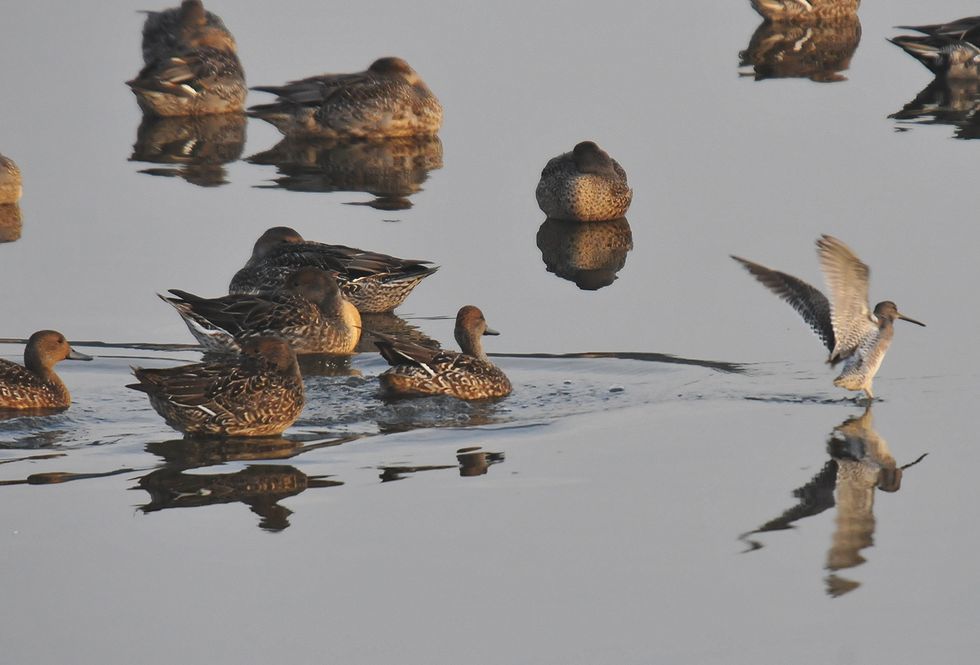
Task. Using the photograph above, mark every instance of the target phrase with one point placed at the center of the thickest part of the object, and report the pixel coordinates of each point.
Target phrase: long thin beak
(905, 318)
(75, 355)
(490, 331)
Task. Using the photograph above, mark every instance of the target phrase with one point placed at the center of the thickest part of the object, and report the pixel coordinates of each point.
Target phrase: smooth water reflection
(195, 148)
(590, 254)
(945, 102)
(815, 51)
(11, 223)
(860, 463)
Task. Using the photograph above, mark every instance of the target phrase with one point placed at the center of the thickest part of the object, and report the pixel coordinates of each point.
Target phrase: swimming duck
(34, 385)
(950, 50)
(584, 185)
(373, 282)
(419, 371)
(805, 11)
(309, 312)
(10, 187)
(259, 393)
(388, 99)
(202, 76)
(166, 32)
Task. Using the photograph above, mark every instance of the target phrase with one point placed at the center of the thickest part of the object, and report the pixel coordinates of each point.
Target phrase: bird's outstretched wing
(847, 281)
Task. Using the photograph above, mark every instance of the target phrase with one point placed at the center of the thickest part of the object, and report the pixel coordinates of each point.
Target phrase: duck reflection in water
(259, 486)
(391, 169)
(818, 51)
(945, 102)
(590, 254)
(472, 461)
(860, 463)
(194, 148)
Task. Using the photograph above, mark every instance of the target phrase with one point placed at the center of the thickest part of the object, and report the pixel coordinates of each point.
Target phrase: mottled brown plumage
(10, 182)
(175, 29)
(259, 393)
(309, 312)
(816, 51)
(388, 99)
(585, 185)
(950, 50)
(34, 385)
(420, 371)
(373, 282)
(805, 11)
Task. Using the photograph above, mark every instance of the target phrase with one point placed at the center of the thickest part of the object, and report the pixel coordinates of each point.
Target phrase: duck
(165, 32)
(309, 312)
(375, 283)
(259, 393)
(805, 11)
(949, 50)
(10, 185)
(388, 99)
(34, 385)
(201, 77)
(584, 185)
(421, 371)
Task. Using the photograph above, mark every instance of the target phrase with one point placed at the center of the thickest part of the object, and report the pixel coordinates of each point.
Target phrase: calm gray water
(618, 509)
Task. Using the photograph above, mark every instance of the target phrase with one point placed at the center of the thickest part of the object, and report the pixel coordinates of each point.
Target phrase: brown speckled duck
(388, 99)
(202, 76)
(259, 393)
(805, 11)
(310, 313)
(166, 32)
(10, 186)
(419, 371)
(584, 185)
(373, 282)
(950, 50)
(34, 385)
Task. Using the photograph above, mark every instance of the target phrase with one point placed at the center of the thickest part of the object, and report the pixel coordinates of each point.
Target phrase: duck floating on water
(34, 385)
(422, 371)
(584, 185)
(950, 50)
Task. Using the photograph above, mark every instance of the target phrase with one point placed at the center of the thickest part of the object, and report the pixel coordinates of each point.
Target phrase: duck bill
(75, 355)
(905, 318)
(490, 331)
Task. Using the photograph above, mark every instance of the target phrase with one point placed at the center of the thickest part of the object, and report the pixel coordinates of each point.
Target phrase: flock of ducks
(295, 296)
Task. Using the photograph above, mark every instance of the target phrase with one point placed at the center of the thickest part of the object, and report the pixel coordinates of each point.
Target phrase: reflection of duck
(388, 99)
(10, 181)
(391, 170)
(259, 393)
(588, 254)
(391, 325)
(473, 461)
(805, 11)
(197, 145)
(848, 328)
(309, 312)
(34, 385)
(201, 75)
(860, 463)
(420, 371)
(11, 224)
(951, 50)
(946, 102)
(374, 282)
(585, 185)
(816, 51)
(259, 486)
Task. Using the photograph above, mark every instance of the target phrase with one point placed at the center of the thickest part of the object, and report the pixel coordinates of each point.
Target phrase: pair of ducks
(192, 68)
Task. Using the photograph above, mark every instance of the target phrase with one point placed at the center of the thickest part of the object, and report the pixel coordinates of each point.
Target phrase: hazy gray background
(602, 538)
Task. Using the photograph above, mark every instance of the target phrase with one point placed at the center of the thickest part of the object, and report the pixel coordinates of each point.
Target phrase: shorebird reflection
(860, 463)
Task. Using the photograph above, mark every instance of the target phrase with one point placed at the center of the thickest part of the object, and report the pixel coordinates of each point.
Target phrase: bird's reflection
(946, 102)
(471, 461)
(859, 464)
(194, 148)
(259, 486)
(10, 222)
(391, 170)
(817, 51)
(587, 253)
